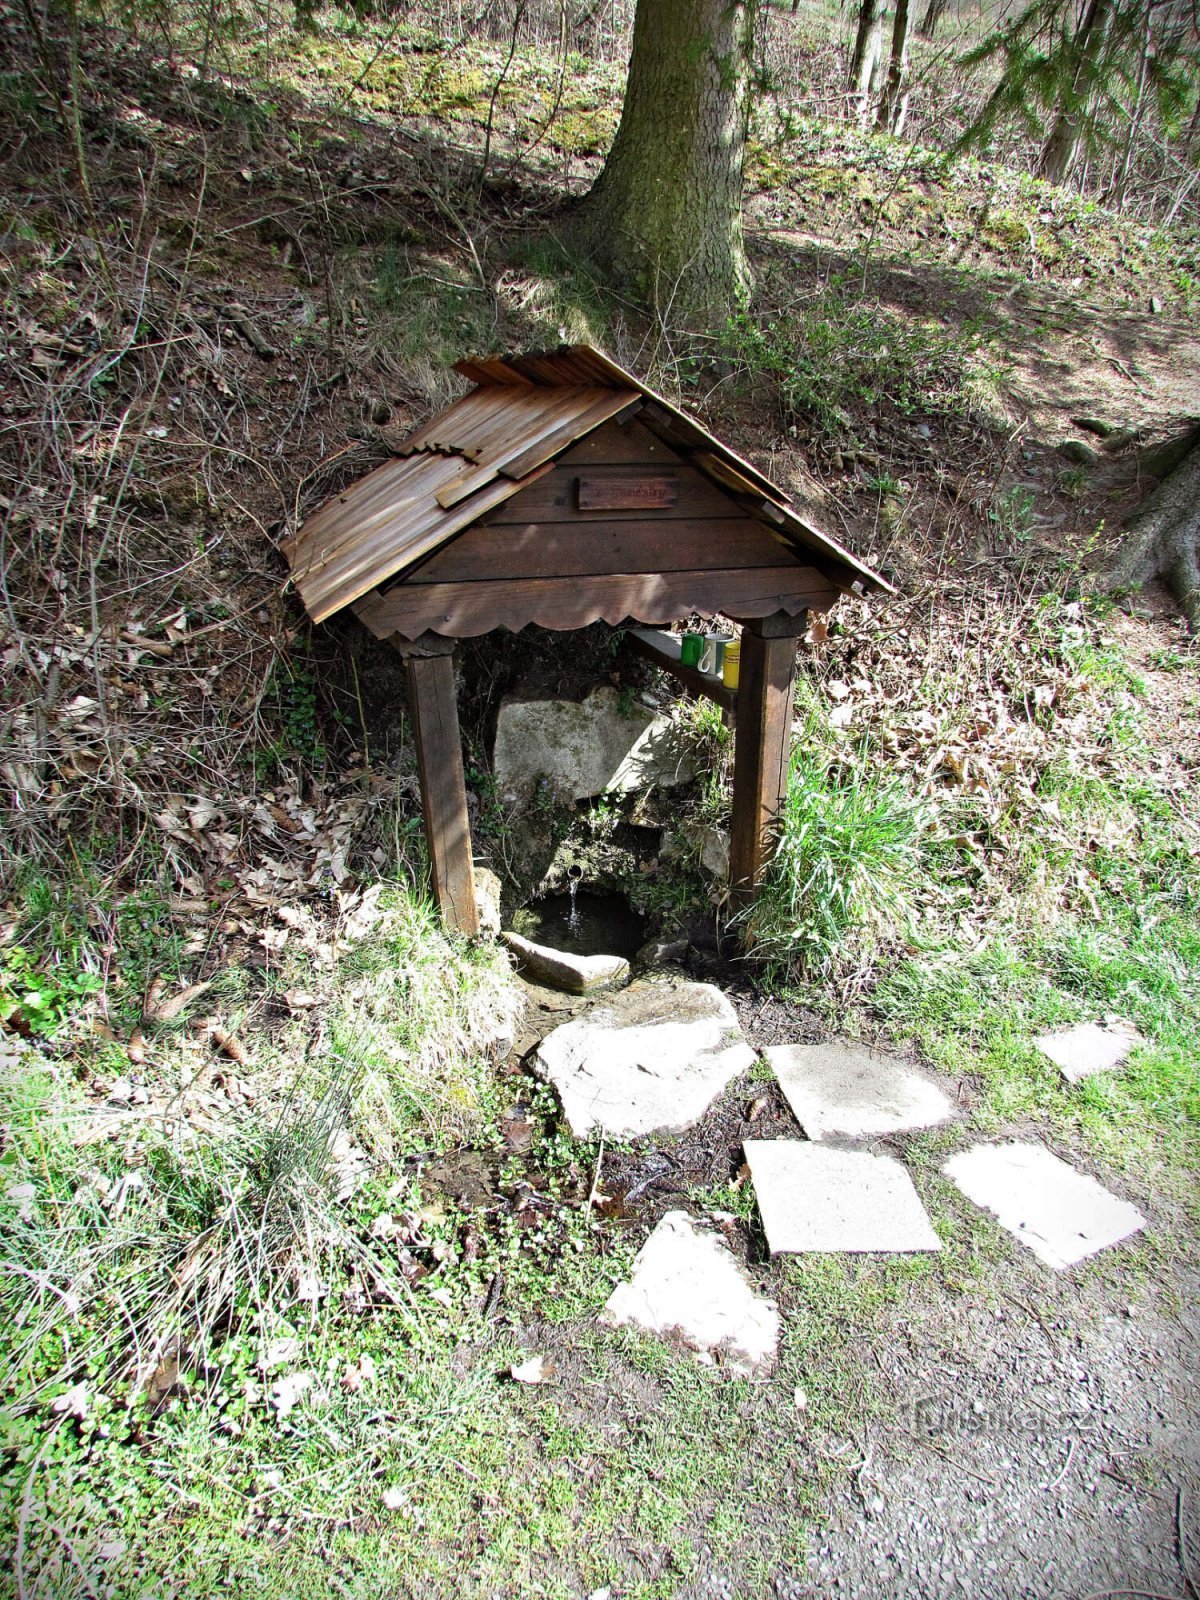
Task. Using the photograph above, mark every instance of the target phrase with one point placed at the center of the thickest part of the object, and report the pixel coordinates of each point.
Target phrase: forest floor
(282, 1208)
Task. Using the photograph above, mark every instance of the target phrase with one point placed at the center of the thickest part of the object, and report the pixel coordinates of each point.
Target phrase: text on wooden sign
(650, 493)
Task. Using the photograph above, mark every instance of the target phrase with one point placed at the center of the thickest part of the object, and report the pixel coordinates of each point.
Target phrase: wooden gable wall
(663, 541)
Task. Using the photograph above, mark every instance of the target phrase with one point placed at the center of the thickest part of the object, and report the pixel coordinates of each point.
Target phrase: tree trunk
(893, 103)
(1162, 538)
(1121, 182)
(664, 218)
(934, 12)
(868, 54)
(1062, 146)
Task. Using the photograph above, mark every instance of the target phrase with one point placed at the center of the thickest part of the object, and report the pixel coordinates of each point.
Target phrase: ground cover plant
(286, 1218)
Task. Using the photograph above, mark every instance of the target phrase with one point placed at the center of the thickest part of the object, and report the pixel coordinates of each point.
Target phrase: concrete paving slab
(1088, 1048)
(844, 1088)
(686, 1281)
(650, 1060)
(815, 1198)
(1062, 1215)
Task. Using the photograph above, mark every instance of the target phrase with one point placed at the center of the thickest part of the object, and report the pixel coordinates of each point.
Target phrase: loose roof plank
(582, 363)
(465, 610)
(365, 551)
(522, 433)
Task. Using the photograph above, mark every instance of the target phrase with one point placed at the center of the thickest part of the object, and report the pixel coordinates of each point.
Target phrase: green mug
(691, 648)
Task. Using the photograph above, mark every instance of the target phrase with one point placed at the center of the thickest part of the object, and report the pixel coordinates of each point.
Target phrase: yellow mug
(731, 663)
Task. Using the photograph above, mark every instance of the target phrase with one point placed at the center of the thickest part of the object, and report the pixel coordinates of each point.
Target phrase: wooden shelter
(560, 491)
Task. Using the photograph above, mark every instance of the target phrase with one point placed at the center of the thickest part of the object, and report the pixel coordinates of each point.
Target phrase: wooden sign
(644, 492)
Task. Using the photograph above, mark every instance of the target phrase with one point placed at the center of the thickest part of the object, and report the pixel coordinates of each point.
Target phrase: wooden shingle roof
(523, 412)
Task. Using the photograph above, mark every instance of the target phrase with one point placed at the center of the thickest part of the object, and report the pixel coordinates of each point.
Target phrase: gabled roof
(523, 412)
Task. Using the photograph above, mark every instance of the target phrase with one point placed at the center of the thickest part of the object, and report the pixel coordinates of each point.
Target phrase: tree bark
(664, 218)
(934, 12)
(1121, 182)
(1162, 538)
(867, 58)
(1062, 146)
(893, 103)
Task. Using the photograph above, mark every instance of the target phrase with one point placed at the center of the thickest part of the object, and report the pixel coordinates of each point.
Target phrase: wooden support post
(766, 678)
(443, 786)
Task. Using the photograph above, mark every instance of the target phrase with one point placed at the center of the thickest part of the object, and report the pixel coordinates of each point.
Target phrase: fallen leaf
(74, 1403)
(357, 1373)
(309, 1287)
(536, 1370)
(278, 1353)
(22, 1195)
(286, 1392)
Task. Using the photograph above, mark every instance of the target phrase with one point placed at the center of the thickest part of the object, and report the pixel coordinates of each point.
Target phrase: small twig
(492, 1298)
(518, 18)
(1030, 1312)
(1046, 1487)
(1184, 1566)
(946, 1456)
(595, 1191)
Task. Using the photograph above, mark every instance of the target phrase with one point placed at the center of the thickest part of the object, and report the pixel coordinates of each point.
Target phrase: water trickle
(572, 919)
(584, 922)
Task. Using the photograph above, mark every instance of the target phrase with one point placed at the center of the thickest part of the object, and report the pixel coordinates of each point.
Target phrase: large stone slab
(813, 1198)
(687, 1282)
(650, 1060)
(584, 748)
(844, 1088)
(563, 969)
(1062, 1215)
(1088, 1048)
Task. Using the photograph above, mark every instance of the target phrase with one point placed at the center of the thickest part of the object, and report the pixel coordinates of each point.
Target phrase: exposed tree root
(1162, 538)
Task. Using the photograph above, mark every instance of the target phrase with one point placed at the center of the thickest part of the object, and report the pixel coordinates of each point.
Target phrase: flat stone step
(686, 1281)
(814, 1198)
(1060, 1214)
(1088, 1048)
(845, 1088)
(650, 1059)
(563, 969)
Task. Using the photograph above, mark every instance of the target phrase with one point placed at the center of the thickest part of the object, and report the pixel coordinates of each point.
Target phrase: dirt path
(1052, 1463)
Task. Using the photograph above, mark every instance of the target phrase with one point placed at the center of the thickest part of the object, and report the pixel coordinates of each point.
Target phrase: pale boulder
(586, 747)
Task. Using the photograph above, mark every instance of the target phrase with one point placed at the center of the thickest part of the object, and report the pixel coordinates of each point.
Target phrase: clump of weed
(116, 1256)
(416, 1024)
(846, 853)
(838, 353)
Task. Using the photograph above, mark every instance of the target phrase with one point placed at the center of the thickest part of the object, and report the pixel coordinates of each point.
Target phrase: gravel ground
(1051, 1465)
